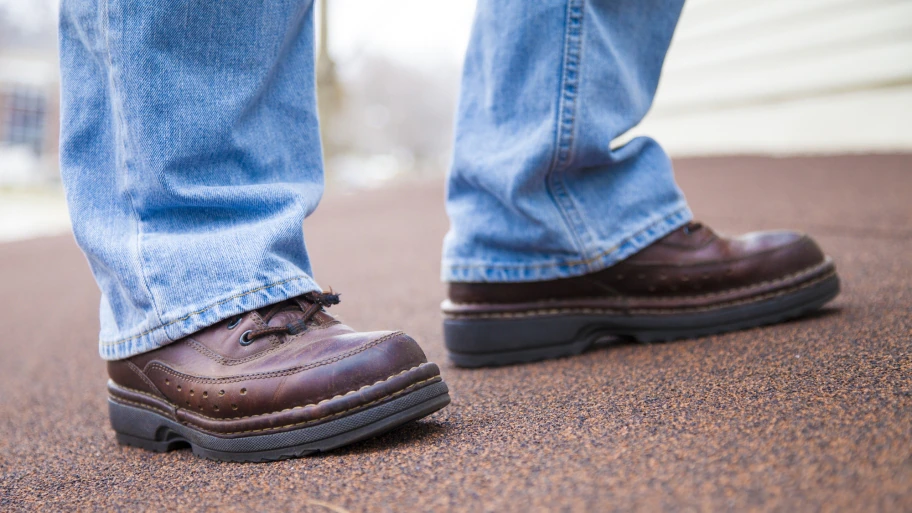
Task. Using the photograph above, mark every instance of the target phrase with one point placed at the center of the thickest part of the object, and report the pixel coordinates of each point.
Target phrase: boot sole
(484, 342)
(144, 428)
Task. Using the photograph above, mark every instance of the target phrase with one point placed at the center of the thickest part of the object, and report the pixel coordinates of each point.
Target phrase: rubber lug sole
(486, 342)
(146, 429)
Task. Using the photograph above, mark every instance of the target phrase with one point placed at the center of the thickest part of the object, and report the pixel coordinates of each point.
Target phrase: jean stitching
(202, 310)
(565, 124)
(117, 107)
(670, 218)
(570, 86)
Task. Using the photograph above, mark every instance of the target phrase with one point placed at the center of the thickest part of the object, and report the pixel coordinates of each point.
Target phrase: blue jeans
(190, 151)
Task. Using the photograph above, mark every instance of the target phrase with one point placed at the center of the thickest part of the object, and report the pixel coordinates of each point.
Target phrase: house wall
(786, 76)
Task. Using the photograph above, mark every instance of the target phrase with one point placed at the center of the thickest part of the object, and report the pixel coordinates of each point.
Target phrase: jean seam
(84, 38)
(239, 295)
(126, 147)
(565, 122)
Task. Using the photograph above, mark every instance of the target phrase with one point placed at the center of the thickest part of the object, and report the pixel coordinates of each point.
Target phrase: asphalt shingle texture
(814, 414)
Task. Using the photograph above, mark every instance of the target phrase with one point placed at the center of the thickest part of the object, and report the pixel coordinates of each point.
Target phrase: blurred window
(25, 111)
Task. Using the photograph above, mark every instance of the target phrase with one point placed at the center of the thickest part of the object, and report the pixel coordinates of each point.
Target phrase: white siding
(786, 76)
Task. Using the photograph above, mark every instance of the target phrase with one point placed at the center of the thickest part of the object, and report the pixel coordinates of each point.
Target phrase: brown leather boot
(283, 381)
(690, 283)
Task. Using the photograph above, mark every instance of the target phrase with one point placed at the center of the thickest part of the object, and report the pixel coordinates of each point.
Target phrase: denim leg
(535, 191)
(190, 154)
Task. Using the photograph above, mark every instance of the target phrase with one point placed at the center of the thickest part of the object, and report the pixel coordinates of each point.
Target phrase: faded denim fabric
(190, 154)
(190, 151)
(535, 192)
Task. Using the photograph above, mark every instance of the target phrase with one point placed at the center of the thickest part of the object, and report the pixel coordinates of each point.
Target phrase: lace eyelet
(233, 324)
(244, 341)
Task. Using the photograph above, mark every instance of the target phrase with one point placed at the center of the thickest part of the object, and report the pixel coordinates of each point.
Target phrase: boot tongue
(284, 316)
(289, 311)
(692, 227)
(280, 314)
(693, 234)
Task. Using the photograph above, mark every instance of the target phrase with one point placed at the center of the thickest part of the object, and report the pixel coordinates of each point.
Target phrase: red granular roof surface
(811, 414)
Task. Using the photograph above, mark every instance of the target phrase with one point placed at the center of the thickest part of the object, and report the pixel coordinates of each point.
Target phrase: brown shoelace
(318, 301)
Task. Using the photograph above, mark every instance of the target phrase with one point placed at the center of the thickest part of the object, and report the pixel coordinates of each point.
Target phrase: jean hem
(456, 270)
(196, 319)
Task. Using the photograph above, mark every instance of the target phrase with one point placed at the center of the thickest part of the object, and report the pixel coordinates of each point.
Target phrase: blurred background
(762, 78)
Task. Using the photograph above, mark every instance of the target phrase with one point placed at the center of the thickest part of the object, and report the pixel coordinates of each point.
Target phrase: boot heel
(493, 342)
(151, 445)
(141, 428)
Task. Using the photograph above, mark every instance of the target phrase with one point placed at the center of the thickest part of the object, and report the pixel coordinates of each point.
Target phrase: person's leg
(190, 154)
(556, 239)
(535, 191)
